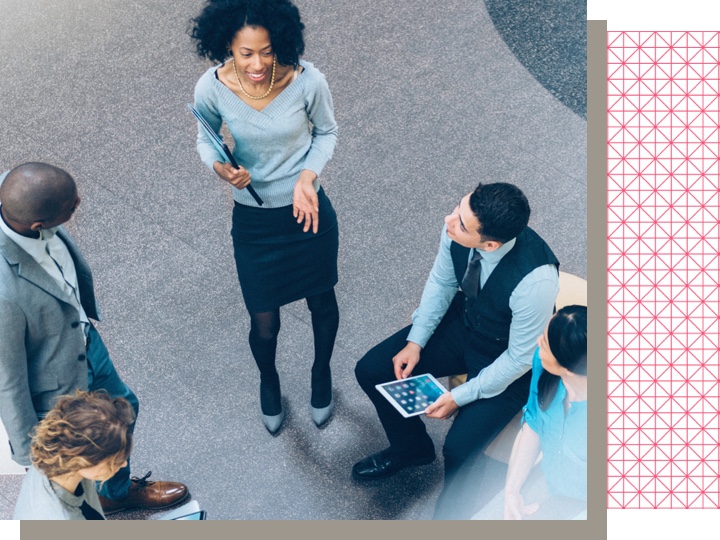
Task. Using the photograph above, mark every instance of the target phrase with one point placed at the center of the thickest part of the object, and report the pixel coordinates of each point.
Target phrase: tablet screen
(412, 396)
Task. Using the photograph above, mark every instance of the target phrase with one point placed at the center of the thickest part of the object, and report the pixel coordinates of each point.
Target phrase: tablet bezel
(395, 404)
(203, 516)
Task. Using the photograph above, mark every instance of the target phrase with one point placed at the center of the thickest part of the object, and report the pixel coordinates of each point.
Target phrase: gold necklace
(272, 81)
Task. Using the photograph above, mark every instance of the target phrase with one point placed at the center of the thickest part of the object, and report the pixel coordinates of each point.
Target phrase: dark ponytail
(567, 340)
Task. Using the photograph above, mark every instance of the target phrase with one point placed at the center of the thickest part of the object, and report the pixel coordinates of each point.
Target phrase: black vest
(489, 317)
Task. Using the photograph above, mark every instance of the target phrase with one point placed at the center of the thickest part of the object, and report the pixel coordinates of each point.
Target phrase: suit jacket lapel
(28, 268)
(81, 265)
(84, 276)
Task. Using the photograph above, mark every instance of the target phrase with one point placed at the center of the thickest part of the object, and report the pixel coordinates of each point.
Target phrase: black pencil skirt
(277, 263)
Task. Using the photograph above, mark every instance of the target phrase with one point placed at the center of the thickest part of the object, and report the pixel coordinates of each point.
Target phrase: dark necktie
(471, 281)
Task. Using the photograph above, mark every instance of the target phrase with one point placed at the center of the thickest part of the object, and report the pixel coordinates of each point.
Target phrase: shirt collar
(63, 494)
(33, 246)
(493, 257)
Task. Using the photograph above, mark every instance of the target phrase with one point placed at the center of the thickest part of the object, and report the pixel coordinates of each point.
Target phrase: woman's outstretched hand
(305, 201)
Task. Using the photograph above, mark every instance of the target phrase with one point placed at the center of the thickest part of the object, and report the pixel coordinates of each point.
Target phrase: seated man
(48, 346)
(509, 280)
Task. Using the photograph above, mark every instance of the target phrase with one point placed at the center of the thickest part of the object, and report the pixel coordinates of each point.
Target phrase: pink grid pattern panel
(663, 190)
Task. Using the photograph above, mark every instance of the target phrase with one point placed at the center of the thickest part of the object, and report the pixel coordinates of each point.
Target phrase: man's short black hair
(502, 210)
(215, 28)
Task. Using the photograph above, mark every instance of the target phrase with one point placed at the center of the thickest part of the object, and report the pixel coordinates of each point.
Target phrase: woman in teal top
(555, 416)
(279, 111)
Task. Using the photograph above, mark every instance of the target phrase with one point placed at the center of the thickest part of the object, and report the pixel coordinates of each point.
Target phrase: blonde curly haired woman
(84, 439)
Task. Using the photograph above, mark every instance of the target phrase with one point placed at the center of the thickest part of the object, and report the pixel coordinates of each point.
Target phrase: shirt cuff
(419, 335)
(463, 394)
(315, 164)
(210, 159)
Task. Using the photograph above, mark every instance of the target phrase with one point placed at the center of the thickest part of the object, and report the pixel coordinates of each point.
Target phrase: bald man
(48, 344)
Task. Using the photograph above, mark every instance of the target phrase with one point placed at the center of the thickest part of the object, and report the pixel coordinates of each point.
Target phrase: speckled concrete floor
(429, 101)
(549, 37)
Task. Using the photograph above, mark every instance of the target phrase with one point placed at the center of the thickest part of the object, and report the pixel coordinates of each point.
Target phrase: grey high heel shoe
(320, 416)
(273, 423)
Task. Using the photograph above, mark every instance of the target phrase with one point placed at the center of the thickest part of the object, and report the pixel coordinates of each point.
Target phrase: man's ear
(36, 226)
(490, 245)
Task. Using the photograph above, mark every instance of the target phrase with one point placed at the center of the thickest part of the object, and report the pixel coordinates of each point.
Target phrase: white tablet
(412, 396)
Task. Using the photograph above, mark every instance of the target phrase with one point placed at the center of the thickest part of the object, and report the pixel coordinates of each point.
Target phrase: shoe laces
(143, 482)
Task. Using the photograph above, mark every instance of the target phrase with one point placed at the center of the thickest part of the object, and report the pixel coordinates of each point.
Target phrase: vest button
(75, 324)
(81, 357)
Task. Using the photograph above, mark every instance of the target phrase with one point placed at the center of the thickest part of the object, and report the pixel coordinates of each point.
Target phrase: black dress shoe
(384, 464)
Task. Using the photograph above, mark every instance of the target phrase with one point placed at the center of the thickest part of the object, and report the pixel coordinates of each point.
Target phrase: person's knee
(456, 451)
(450, 455)
(324, 305)
(377, 365)
(267, 334)
(361, 371)
(267, 331)
(366, 371)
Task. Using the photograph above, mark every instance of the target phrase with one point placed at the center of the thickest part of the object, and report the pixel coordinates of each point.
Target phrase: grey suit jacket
(42, 350)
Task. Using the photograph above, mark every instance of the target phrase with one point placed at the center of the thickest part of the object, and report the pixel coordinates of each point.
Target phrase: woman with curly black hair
(279, 111)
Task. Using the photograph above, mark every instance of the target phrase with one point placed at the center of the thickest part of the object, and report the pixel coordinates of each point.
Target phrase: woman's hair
(215, 28)
(83, 431)
(567, 340)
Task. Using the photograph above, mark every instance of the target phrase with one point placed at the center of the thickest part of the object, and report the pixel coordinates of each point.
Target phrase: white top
(42, 499)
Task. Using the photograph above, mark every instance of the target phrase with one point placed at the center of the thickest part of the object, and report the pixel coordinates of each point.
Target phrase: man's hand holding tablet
(444, 407)
(412, 396)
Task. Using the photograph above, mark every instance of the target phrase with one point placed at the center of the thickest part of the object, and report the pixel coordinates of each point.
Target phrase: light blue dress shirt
(531, 304)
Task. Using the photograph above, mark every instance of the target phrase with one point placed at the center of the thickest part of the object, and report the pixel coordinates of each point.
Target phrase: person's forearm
(525, 452)
(440, 289)
(324, 132)
(494, 379)
(307, 176)
(531, 304)
(205, 148)
(17, 411)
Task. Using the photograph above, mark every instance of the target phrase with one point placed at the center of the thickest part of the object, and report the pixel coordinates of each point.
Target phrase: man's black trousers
(453, 349)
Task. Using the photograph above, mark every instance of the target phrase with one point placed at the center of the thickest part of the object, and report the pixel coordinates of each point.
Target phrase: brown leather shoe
(147, 494)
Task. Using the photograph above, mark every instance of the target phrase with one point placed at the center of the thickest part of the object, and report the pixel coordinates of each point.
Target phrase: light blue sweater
(296, 131)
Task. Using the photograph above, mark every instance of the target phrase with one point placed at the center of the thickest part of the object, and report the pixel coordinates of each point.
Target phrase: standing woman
(279, 111)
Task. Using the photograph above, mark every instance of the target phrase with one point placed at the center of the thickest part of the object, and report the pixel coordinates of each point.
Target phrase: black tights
(264, 330)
